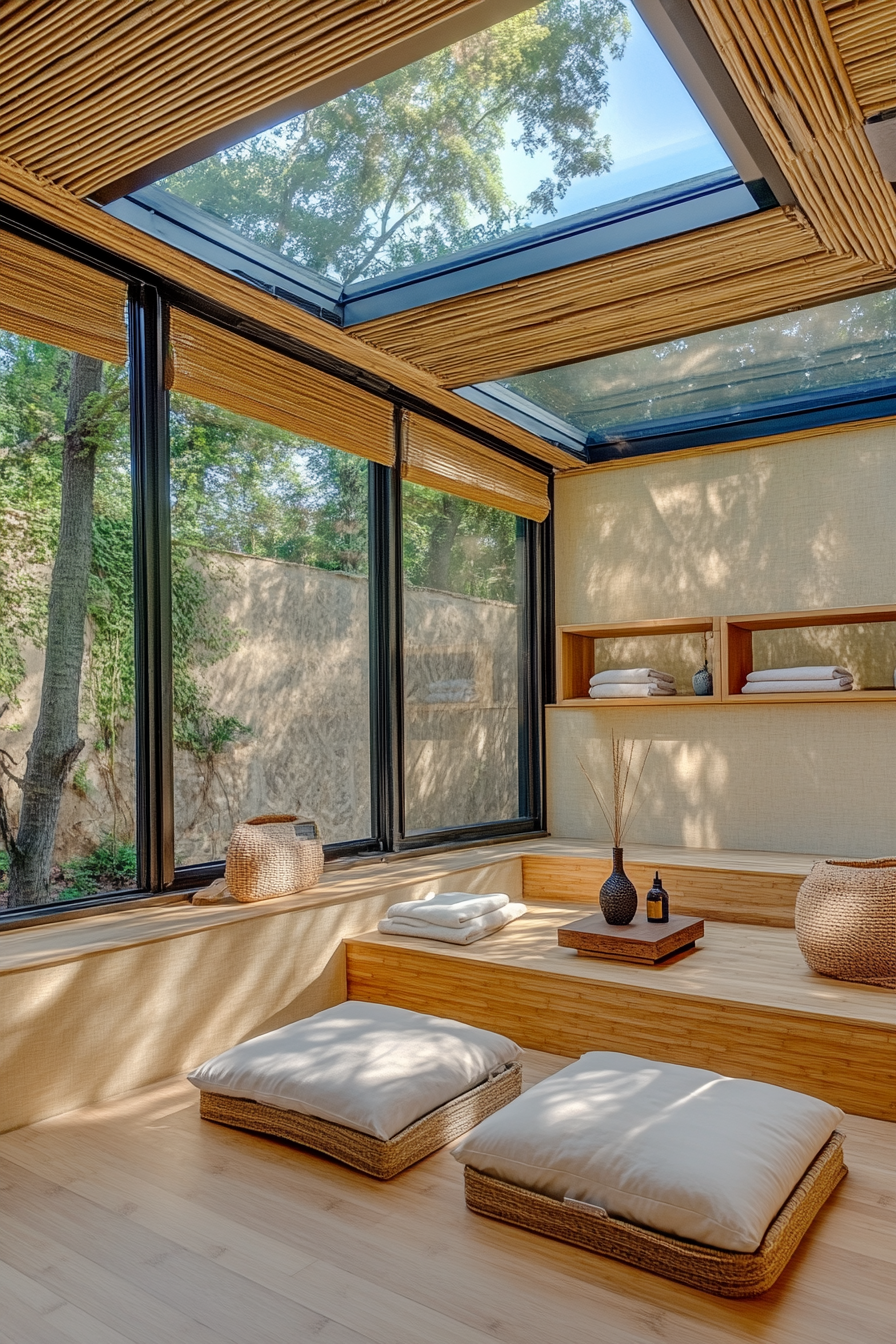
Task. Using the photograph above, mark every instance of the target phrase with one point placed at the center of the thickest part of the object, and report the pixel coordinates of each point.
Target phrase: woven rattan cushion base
(726, 1273)
(383, 1158)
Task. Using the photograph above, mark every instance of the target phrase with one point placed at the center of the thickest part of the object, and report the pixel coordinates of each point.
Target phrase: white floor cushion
(365, 1065)
(679, 1150)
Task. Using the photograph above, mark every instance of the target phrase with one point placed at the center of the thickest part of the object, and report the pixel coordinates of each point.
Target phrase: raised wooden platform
(743, 1002)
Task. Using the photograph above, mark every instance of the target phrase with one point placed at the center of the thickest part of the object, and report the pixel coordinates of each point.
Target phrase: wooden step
(743, 1003)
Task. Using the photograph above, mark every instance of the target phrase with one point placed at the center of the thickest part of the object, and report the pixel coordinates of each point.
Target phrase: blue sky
(657, 134)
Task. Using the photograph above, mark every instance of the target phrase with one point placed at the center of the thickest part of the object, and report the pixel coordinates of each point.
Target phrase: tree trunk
(441, 542)
(56, 746)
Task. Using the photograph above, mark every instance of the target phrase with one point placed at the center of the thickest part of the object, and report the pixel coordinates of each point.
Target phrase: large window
(270, 626)
(67, 674)
(201, 592)
(463, 635)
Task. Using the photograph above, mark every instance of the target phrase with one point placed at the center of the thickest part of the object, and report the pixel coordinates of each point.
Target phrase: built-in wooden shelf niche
(575, 659)
(737, 653)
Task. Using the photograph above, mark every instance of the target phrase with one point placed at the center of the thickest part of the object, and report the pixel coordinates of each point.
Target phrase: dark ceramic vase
(702, 681)
(618, 898)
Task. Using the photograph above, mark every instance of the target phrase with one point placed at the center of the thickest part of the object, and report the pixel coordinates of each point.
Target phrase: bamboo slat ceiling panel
(248, 379)
(443, 460)
(785, 63)
(95, 89)
(60, 302)
(23, 189)
(734, 272)
(865, 33)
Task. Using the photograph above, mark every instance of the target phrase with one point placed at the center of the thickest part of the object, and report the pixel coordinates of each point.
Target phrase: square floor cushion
(673, 1156)
(376, 1086)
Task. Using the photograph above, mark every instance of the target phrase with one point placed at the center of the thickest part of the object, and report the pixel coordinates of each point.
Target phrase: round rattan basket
(273, 856)
(846, 920)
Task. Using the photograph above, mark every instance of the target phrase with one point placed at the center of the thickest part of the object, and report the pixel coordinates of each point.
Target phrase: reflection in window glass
(559, 109)
(839, 345)
(270, 630)
(462, 620)
(67, 764)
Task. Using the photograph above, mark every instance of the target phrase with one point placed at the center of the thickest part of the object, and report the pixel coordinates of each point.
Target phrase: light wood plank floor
(135, 1222)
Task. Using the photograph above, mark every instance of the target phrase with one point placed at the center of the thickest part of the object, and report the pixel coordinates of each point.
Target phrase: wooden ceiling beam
(47, 201)
(732, 272)
(103, 98)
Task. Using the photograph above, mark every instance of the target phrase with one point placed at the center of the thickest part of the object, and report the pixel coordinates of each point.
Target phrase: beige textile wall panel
(58, 301)
(105, 1022)
(444, 460)
(215, 365)
(97, 91)
(864, 33)
(39, 197)
(778, 528)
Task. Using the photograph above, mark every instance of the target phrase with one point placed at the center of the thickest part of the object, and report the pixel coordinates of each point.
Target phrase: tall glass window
(67, 740)
(270, 633)
(463, 612)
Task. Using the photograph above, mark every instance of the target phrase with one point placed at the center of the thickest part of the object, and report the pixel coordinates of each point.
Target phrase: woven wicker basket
(846, 920)
(268, 856)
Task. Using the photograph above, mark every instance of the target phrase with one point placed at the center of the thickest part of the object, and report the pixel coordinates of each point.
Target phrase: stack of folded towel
(619, 683)
(790, 680)
(451, 916)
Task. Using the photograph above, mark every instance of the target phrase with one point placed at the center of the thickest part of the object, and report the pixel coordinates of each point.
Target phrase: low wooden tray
(725, 1273)
(638, 941)
(383, 1158)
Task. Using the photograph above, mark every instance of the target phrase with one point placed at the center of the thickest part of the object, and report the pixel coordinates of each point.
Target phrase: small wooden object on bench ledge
(639, 941)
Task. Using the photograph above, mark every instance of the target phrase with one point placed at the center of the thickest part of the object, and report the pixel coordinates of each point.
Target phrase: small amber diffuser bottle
(657, 903)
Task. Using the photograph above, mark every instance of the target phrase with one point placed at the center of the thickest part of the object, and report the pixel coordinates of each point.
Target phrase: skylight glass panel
(565, 107)
(846, 345)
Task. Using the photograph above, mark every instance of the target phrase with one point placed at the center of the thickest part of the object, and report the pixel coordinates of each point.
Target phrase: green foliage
(110, 866)
(409, 167)
(457, 545)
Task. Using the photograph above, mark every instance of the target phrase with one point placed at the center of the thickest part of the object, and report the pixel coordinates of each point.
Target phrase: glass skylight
(848, 345)
(562, 108)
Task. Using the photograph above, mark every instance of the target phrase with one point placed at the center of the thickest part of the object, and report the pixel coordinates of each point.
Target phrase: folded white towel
(622, 689)
(451, 909)
(794, 687)
(470, 933)
(799, 674)
(630, 674)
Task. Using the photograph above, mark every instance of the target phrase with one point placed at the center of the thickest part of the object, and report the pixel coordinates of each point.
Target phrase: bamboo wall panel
(93, 91)
(785, 63)
(443, 460)
(712, 893)
(227, 370)
(733, 272)
(52, 299)
(865, 34)
(848, 1063)
(25, 190)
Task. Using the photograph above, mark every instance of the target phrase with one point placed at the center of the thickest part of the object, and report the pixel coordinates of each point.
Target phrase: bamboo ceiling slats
(60, 302)
(865, 33)
(732, 272)
(229, 371)
(93, 91)
(23, 189)
(783, 59)
(437, 457)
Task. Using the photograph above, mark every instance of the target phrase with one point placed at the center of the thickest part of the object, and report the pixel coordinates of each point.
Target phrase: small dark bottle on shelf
(657, 903)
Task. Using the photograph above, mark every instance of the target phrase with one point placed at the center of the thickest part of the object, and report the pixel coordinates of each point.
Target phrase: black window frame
(151, 298)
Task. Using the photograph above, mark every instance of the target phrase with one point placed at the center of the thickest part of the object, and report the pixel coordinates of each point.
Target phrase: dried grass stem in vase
(618, 897)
